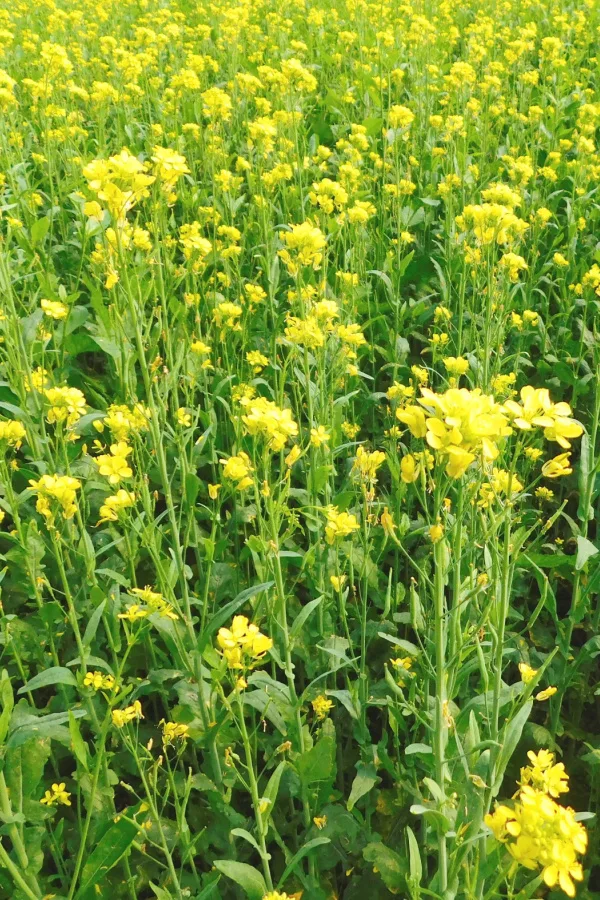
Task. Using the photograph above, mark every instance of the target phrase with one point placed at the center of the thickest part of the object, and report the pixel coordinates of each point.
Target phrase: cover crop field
(299, 449)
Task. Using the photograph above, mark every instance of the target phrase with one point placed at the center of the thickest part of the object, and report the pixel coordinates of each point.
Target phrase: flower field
(299, 449)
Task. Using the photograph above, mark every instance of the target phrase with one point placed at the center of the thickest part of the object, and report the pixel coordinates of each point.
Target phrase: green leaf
(92, 625)
(39, 230)
(55, 675)
(29, 726)
(300, 854)
(192, 488)
(8, 702)
(303, 615)
(24, 771)
(318, 763)
(111, 847)
(77, 743)
(261, 701)
(160, 893)
(510, 737)
(417, 748)
(414, 858)
(365, 779)
(271, 791)
(585, 550)
(248, 878)
(345, 698)
(390, 865)
(241, 832)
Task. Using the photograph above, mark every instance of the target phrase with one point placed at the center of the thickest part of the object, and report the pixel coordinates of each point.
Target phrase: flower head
(242, 644)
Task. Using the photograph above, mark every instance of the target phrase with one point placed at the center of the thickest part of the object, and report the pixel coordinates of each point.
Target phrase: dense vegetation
(299, 451)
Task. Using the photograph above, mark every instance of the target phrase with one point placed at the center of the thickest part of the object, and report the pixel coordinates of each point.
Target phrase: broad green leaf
(30, 726)
(303, 615)
(55, 675)
(365, 779)
(24, 772)
(39, 230)
(248, 878)
(417, 748)
(392, 868)
(585, 550)
(318, 763)
(111, 847)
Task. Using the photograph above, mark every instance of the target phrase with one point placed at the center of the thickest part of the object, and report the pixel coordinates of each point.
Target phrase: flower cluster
(243, 645)
(537, 831)
(56, 492)
(265, 419)
(132, 713)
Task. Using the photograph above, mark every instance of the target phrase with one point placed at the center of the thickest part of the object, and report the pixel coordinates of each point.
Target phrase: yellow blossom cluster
(537, 831)
(243, 645)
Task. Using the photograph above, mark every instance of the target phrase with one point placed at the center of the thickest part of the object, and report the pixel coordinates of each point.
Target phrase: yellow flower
(527, 673)
(320, 822)
(306, 242)
(169, 166)
(238, 469)
(293, 456)
(66, 405)
(257, 360)
(53, 309)
(514, 265)
(57, 795)
(558, 467)
(339, 524)
(436, 533)
(366, 465)
(502, 482)
(319, 436)
(134, 612)
(456, 365)
(304, 332)
(59, 488)
(350, 430)
(243, 645)
(114, 465)
(338, 581)
(183, 417)
(537, 410)
(538, 833)
(546, 693)
(12, 432)
(409, 468)
(321, 707)
(123, 420)
(414, 418)
(387, 521)
(173, 731)
(122, 717)
(99, 681)
(544, 774)
(265, 419)
(213, 491)
(402, 662)
(112, 506)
